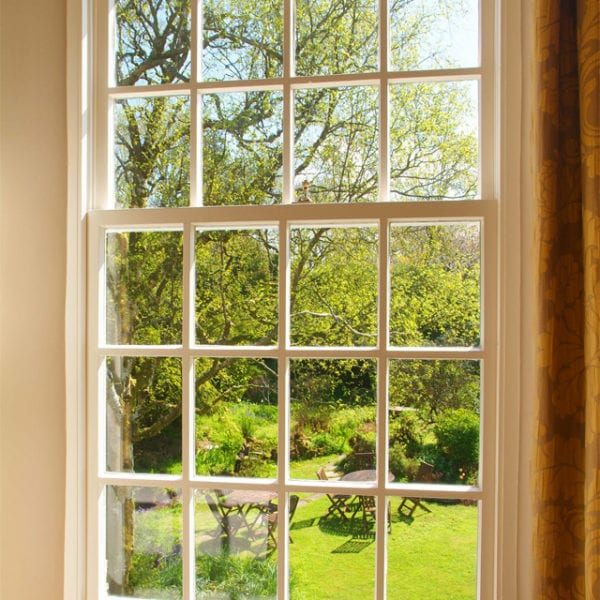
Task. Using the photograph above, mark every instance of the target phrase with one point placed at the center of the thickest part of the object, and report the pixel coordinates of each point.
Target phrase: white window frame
(498, 558)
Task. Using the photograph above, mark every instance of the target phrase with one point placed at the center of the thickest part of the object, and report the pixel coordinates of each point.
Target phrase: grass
(431, 556)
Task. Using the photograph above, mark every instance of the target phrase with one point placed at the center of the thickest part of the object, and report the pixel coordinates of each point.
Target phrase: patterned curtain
(566, 465)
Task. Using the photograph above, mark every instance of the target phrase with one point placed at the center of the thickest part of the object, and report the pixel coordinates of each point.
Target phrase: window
(292, 341)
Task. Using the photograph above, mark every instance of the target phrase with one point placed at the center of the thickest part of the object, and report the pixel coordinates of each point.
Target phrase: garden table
(243, 501)
(362, 502)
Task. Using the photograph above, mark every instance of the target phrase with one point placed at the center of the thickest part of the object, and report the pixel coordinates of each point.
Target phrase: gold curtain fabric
(566, 466)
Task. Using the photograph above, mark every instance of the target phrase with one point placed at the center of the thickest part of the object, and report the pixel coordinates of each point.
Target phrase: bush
(406, 429)
(362, 446)
(457, 432)
(403, 467)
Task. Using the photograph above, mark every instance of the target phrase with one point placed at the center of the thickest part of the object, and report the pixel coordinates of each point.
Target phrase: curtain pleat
(566, 130)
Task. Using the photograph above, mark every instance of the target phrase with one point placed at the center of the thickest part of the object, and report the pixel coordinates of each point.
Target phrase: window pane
(152, 41)
(333, 286)
(332, 556)
(336, 37)
(242, 148)
(434, 141)
(432, 553)
(433, 34)
(144, 542)
(434, 429)
(144, 287)
(236, 555)
(236, 417)
(236, 286)
(435, 285)
(242, 41)
(332, 416)
(152, 152)
(143, 414)
(336, 143)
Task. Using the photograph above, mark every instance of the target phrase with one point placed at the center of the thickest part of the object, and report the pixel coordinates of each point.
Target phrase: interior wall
(33, 202)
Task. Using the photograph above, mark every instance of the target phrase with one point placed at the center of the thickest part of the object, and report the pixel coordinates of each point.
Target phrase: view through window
(292, 341)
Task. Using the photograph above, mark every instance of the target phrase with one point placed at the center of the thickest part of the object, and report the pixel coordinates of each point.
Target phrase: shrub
(403, 467)
(457, 432)
(406, 429)
(361, 445)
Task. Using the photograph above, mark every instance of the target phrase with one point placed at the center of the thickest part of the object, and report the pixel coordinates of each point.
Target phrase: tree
(433, 155)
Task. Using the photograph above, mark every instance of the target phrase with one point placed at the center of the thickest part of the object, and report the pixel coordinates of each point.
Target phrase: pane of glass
(144, 542)
(152, 41)
(236, 286)
(143, 414)
(235, 539)
(332, 417)
(336, 144)
(333, 286)
(432, 552)
(236, 417)
(435, 285)
(434, 141)
(336, 37)
(242, 148)
(241, 40)
(434, 430)
(144, 287)
(434, 34)
(152, 152)
(332, 556)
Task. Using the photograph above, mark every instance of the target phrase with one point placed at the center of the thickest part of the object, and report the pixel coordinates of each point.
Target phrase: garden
(430, 554)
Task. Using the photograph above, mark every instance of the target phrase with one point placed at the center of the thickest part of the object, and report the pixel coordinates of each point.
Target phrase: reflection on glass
(242, 40)
(434, 428)
(242, 148)
(333, 286)
(435, 285)
(152, 41)
(152, 152)
(236, 552)
(336, 37)
(336, 143)
(432, 554)
(144, 542)
(332, 413)
(332, 557)
(236, 417)
(143, 414)
(434, 34)
(236, 286)
(144, 287)
(434, 141)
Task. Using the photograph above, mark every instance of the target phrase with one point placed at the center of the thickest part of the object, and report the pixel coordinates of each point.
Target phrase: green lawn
(430, 556)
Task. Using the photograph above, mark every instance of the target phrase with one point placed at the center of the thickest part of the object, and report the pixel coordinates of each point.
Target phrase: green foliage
(235, 577)
(402, 466)
(457, 432)
(157, 575)
(407, 429)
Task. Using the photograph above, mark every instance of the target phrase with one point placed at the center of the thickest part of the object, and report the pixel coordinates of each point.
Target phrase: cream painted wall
(33, 201)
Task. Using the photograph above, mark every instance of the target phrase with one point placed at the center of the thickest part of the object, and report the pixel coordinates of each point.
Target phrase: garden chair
(228, 523)
(337, 501)
(424, 475)
(273, 516)
(367, 505)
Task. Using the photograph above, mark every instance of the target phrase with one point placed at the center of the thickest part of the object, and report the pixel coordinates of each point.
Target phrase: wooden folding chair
(273, 518)
(337, 501)
(424, 475)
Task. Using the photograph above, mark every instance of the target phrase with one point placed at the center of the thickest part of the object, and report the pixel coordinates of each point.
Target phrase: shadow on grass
(305, 523)
(353, 546)
(345, 527)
